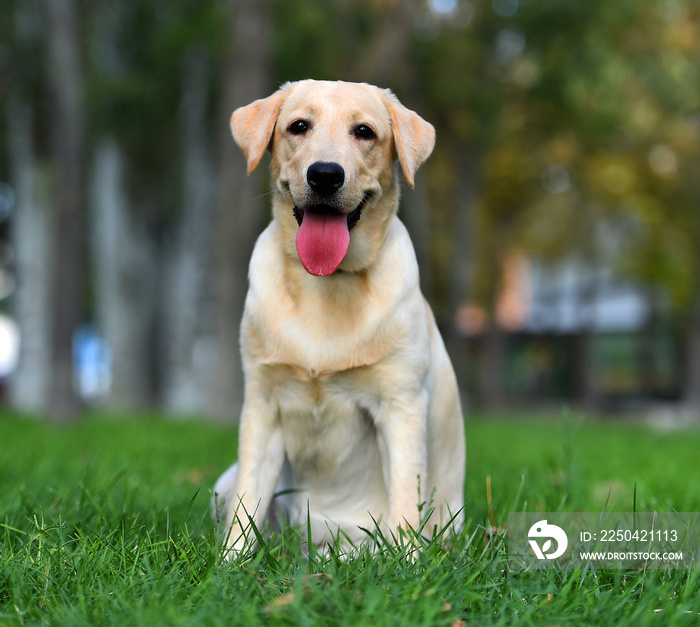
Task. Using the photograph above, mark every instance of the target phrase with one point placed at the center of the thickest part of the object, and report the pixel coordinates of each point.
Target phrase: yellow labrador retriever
(351, 405)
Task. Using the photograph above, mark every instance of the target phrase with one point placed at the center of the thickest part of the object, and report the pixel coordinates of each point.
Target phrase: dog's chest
(315, 352)
(327, 422)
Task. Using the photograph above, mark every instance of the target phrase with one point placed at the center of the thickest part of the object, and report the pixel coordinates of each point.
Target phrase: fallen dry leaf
(281, 601)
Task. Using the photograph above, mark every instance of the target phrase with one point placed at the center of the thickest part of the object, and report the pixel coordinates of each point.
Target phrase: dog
(351, 416)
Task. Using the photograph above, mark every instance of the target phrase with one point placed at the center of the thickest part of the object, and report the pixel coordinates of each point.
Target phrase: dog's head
(333, 147)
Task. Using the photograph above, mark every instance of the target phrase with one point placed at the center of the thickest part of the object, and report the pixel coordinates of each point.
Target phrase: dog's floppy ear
(253, 125)
(414, 138)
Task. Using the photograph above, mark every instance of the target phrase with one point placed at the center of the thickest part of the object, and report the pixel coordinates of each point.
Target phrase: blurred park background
(557, 223)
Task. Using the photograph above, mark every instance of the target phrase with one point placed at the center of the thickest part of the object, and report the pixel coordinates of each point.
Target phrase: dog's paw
(237, 541)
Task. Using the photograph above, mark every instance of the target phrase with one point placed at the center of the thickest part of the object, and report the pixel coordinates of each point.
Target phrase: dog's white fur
(351, 403)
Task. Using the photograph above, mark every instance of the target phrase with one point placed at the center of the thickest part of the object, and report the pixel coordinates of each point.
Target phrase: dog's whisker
(263, 195)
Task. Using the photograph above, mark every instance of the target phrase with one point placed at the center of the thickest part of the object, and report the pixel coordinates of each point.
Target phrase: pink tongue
(323, 240)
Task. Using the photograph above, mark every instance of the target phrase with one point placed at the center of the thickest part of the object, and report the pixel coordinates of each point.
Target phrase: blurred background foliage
(566, 176)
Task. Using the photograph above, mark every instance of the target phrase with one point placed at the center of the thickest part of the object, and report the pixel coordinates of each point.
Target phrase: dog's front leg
(402, 430)
(260, 460)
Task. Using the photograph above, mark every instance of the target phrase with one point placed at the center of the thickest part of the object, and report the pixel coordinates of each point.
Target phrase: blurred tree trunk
(415, 214)
(67, 262)
(237, 218)
(492, 366)
(492, 356)
(691, 367)
(123, 269)
(186, 303)
(691, 380)
(463, 264)
(385, 60)
(586, 395)
(30, 237)
(124, 258)
(647, 359)
(583, 383)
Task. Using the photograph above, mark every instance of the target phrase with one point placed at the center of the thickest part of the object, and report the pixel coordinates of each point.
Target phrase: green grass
(106, 523)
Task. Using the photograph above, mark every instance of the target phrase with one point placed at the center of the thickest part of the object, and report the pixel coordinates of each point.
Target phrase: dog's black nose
(325, 178)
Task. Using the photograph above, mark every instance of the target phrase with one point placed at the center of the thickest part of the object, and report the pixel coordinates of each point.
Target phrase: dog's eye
(298, 127)
(364, 132)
